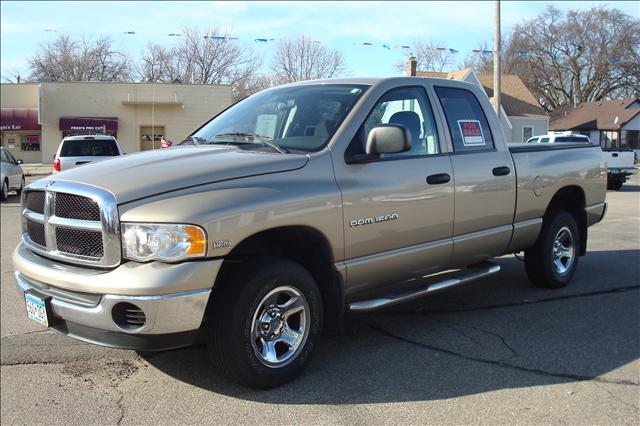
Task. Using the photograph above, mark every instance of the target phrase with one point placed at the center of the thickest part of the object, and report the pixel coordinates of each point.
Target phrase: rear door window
(89, 148)
(468, 126)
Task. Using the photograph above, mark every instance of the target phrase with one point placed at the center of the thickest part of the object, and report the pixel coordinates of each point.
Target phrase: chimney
(410, 67)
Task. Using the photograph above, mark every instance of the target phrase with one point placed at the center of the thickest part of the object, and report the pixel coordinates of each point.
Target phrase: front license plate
(36, 308)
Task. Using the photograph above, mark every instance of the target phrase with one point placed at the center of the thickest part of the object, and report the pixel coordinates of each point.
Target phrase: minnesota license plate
(36, 308)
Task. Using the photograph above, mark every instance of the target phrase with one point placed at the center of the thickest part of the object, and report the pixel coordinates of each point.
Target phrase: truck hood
(145, 174)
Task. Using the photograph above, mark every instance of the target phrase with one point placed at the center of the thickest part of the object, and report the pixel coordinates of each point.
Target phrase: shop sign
(6, 127)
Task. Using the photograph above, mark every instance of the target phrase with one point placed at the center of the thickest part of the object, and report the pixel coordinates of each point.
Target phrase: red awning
(19, 119)
(95, 124)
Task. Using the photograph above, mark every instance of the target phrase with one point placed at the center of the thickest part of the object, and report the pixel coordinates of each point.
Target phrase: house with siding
(614, 124)
(520, 114)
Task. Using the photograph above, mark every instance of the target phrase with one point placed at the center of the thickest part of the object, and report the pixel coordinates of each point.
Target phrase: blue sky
(341, 25)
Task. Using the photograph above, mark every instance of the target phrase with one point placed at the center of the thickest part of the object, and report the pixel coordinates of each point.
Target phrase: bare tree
(158, 64)
(573, 57)
(301, 58)
(202, 57)
(433, 55)
(66, 59)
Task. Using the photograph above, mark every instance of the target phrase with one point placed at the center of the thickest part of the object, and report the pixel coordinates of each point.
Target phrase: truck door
(484, 178)
(398, 208)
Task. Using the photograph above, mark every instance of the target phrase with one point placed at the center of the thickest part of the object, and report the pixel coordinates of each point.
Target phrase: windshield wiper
(265, 140)
(193, 139)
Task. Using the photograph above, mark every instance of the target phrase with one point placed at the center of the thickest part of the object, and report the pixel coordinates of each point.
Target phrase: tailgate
(619, 159)
(67, 163)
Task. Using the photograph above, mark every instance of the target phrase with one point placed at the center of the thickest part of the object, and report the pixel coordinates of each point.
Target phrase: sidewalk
(36, 169)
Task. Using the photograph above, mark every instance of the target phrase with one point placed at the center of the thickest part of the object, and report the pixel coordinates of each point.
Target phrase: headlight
(170, 242)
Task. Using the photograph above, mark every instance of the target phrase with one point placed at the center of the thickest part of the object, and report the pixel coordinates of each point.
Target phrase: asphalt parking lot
(495, 351)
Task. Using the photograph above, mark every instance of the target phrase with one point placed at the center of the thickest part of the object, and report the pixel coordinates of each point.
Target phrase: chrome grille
(34, 201)
(73, 222)
(75, 207)
(79, 242)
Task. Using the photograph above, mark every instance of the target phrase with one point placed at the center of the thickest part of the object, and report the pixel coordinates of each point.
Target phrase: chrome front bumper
(171, 320)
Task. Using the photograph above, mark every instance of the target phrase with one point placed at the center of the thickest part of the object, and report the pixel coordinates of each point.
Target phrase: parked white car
(11, 174)
(82, 149)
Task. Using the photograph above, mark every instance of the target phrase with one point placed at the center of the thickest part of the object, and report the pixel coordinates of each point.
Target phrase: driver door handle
(501, 171)
(438, 178)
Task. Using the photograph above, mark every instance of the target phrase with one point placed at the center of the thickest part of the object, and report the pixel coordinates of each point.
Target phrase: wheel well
(571, 199)
(309, 248)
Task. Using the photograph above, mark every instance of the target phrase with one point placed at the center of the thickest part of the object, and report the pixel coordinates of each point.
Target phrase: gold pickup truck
(293, 207)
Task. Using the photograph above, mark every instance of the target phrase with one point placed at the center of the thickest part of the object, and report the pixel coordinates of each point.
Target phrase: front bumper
(171, 320)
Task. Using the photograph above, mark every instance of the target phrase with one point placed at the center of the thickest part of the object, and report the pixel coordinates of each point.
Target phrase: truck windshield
(300, 118)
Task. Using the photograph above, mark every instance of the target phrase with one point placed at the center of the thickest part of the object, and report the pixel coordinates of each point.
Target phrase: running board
(463, 276)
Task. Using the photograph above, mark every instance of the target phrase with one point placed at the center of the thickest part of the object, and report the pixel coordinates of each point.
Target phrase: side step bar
(463, 276)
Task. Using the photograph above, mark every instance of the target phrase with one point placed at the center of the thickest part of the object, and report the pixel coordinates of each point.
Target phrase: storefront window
(630, 139)
(29, 143)
(150, 137)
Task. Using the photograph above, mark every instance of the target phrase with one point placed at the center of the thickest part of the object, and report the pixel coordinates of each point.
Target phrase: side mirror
(20, 161)
(388, 139)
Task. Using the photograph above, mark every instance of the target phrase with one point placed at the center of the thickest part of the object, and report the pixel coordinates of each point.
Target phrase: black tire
(19, 191)
(4, 191)
(615, 184)
(540, 259)
(230, 337)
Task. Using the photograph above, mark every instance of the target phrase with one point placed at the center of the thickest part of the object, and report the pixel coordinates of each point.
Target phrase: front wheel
(553, 259)
(264, 322)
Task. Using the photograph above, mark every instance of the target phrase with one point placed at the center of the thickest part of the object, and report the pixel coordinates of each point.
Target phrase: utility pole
(496, 59)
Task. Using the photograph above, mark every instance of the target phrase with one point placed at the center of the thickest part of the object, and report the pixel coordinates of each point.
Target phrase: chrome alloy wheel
(280, 326)
(563, 251)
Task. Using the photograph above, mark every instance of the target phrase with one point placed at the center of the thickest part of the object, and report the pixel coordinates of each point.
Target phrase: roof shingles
(594, 115)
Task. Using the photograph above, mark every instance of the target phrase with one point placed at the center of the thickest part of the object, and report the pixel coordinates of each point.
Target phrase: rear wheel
(19, 190)
(615, 184)
(264, 323)
(4, 191)
(553, 259)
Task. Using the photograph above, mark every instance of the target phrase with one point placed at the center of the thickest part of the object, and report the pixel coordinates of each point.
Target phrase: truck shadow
(498, 333)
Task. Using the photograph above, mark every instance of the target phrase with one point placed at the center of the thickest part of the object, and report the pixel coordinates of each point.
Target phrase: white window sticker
(471, 132)
(266, 125)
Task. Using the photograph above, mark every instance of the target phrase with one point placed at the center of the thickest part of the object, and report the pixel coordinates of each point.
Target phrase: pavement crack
(616, 398)
(514, 353)
(502, 363)
(120, 407)
(524, 303)
(13, 364)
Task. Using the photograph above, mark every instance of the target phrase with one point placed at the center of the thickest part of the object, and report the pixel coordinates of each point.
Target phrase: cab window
(410, 108)
(467, 123)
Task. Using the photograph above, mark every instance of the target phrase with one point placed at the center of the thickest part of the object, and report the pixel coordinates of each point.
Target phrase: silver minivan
(82, 149)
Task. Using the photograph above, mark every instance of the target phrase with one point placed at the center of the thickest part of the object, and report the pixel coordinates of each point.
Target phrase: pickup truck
(620, 165)
(294, 207)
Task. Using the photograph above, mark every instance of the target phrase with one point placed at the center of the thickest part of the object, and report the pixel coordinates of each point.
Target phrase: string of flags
(403, 47)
